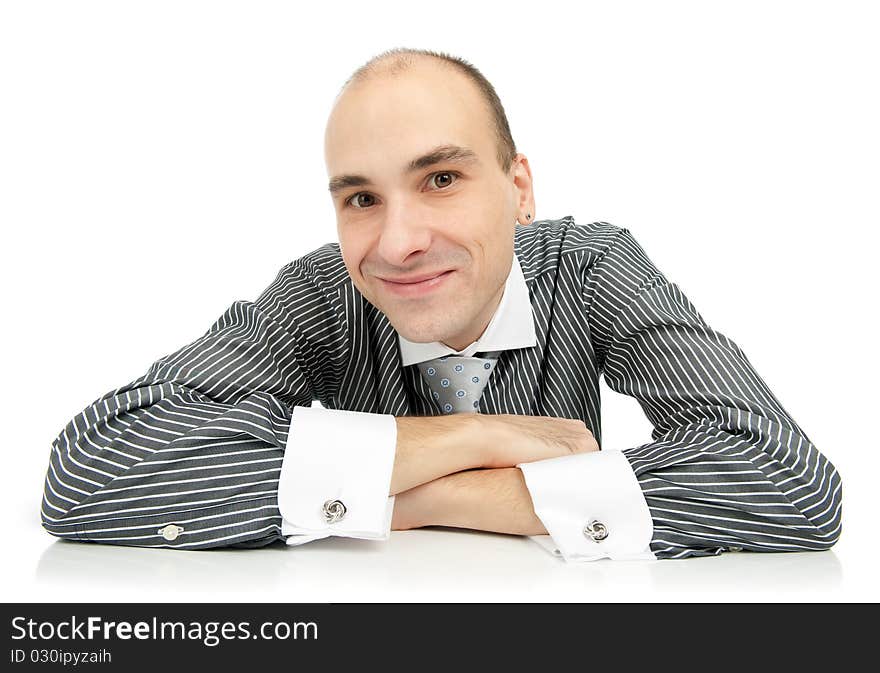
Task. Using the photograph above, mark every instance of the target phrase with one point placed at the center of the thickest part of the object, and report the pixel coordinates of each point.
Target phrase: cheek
(352, 255)
(352, 265)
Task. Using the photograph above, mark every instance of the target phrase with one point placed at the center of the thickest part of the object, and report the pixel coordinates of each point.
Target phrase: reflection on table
(427, 564)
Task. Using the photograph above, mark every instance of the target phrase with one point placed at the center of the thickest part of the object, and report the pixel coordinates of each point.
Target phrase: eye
(446, 177)
(440, 180)
(355, 201)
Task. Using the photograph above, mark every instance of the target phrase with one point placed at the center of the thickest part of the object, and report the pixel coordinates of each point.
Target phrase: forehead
(388, 120)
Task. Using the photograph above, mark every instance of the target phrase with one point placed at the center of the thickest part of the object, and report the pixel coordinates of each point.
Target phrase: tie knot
(457, 381)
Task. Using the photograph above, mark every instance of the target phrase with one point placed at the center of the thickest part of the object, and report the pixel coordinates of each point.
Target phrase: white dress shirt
(348, 456)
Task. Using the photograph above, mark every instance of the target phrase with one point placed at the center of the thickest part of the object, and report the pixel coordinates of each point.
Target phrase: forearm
(484, 499)
(430, 447)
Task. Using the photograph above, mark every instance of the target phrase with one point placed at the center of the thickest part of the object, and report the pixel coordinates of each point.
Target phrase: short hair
(397, 60)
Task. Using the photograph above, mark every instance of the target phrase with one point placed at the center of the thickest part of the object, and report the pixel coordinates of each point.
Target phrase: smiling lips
(416, 285)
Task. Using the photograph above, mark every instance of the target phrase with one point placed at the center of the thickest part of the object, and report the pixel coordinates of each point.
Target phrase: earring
(528, 216)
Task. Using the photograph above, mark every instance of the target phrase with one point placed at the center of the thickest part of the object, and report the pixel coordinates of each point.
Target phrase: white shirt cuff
(570, 492)
(336, 454)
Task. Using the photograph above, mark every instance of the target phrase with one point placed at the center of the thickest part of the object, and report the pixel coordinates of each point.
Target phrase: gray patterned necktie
(457, 381)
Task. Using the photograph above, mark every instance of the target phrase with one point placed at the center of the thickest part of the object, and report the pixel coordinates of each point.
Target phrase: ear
(521, 174)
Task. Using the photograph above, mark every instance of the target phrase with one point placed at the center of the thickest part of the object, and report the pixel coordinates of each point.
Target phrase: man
(456, 345)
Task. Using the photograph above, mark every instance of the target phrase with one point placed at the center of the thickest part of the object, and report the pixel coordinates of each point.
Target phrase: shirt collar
(512, 326)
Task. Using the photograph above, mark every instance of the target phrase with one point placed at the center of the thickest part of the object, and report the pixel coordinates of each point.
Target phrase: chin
(420, 330)
(421, 336)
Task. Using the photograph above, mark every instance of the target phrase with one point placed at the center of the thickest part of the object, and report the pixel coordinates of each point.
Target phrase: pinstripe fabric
(198, 440)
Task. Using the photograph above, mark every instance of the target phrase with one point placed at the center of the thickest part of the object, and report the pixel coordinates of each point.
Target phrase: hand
(522, 439)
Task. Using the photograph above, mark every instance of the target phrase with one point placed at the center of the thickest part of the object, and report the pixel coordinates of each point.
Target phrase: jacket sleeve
(188, 455)
(727, 468)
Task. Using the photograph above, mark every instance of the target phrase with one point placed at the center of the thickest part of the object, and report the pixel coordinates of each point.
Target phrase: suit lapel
(513, 386)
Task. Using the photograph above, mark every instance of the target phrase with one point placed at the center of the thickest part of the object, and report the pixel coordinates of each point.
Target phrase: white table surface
(431, 564)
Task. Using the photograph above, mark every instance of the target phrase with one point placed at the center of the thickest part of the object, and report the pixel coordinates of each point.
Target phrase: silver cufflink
(170, 532)
(333, 510)
(596, 531)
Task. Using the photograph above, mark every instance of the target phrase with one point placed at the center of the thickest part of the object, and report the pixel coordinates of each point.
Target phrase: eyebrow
(440, 154)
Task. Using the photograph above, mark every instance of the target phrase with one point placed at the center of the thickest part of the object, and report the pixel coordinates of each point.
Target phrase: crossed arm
(459, 470)
(494, 499)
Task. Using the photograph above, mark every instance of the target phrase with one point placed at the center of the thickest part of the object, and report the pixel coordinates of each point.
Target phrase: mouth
(417, 288)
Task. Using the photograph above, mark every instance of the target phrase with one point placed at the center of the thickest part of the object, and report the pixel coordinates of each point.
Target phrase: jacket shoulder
(544, 244)
(322, 266)
(306, 290)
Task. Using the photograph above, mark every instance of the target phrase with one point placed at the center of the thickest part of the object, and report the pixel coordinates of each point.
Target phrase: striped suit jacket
(198, 440)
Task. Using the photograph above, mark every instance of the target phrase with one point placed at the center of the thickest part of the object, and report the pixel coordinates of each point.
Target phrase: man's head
(425, 179)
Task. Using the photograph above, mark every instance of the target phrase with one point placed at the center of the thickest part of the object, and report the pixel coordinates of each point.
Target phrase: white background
(159, 160)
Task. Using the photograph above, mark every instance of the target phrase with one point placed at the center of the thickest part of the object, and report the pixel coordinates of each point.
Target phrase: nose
(404, 232)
